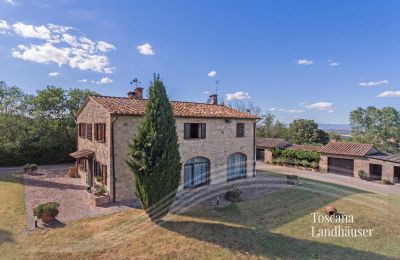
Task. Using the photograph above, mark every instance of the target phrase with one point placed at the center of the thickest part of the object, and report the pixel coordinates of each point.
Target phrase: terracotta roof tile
(271, 143)
(82, 153)
(130, 106)
(351, 149)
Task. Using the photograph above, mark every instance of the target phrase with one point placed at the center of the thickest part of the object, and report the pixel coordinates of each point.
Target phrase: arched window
(236, 166)
(196, 172)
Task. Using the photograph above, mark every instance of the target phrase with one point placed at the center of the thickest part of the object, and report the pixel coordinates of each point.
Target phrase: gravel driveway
(334, 178)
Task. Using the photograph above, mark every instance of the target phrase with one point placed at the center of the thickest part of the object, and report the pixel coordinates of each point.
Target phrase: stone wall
(268, 155)
(220, 142)
(95, 113)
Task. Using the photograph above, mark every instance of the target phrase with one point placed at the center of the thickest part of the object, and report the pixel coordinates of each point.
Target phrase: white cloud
(212, 74)
(145, 49)
(292, 111)
(30, 31)
(61, 45)
(374, 83)
(389, 94)
(53, 74)
(105, 46)
(239, 95)
(206, 92)
(82, 80)
(305, 62)
(11, 2)
(333, 63)
(4, 25)
(42, 53)
(105, 81)
(325, 106)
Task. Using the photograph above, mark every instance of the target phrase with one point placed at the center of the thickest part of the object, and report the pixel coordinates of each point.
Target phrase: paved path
(334, 178)
(53, 184)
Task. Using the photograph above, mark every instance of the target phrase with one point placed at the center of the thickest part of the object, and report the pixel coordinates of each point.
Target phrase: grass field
(275, 226)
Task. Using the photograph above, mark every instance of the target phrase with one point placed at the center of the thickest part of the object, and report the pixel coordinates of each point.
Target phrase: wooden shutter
(202, 131)
(83, 130)
(104, 133)
(240, 130)
(186, 134)
(104, 174)
(89, 133)
(96, 132)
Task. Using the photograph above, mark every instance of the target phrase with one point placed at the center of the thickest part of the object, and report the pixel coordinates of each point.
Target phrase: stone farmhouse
(216, 142)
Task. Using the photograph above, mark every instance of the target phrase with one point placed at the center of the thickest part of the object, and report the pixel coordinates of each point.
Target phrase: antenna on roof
(135, 82)
(216, 86)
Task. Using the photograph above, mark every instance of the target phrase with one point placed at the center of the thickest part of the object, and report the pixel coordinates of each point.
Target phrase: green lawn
(275, 226)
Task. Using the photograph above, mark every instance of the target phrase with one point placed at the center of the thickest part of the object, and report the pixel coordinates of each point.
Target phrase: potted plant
(362, 174)
(73, 172)
(100, 195)
(46, 212)
(30, 168)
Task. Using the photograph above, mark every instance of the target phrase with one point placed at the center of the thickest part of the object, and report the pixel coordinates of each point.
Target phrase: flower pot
(46, 218)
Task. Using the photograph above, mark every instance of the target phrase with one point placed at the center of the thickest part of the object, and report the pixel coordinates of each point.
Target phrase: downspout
(254, 147)
(113, 157)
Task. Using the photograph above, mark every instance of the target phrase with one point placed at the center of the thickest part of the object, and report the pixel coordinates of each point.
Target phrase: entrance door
(341, 166)
(375, 171)
(397, 174)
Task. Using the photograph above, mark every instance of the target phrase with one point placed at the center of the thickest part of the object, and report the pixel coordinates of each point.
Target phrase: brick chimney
(137, 93)
(213, 100)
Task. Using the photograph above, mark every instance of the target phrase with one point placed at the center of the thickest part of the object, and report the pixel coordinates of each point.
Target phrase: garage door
(341, 166)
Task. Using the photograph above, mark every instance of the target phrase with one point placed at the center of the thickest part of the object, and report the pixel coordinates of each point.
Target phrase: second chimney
(213, 100)
(137, 93)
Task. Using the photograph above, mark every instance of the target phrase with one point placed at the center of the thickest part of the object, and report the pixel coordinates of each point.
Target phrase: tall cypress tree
(153, 155)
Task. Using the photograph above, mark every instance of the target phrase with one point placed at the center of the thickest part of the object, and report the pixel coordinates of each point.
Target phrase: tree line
(377, 126)
(38, 128)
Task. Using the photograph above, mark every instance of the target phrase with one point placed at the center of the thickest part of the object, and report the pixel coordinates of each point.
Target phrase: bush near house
(293, 157)
(233, 195)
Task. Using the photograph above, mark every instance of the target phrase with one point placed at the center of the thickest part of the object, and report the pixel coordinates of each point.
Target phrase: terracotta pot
(46, 218)
(330, 210)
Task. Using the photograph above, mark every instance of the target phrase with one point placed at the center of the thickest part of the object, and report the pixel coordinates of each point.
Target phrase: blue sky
(296, 59)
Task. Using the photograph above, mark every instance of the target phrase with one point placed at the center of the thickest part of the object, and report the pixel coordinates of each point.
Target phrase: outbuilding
(351, 158)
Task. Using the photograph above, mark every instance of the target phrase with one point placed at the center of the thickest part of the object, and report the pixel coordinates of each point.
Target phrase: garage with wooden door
(341, 166)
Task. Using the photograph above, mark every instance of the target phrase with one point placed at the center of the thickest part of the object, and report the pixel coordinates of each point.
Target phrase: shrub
(304, 163)
(233, 195)
(99, 190)
(362, 174)
(50, 208)
(386, 181)
(73, 172)
(98, 178)
(314, 165)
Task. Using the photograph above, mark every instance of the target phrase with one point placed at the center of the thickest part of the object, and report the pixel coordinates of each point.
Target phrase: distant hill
(342, 129)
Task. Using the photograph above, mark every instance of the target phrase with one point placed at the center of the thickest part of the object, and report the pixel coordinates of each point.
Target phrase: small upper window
(194, 131)
(240, 130)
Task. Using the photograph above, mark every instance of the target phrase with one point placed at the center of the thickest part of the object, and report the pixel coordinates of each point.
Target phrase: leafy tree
(380, 127)
(269, 128)
(154, 156)
(38, 128)
(303, 131)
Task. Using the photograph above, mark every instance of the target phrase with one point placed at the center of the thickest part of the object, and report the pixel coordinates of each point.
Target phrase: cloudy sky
(294, 59)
